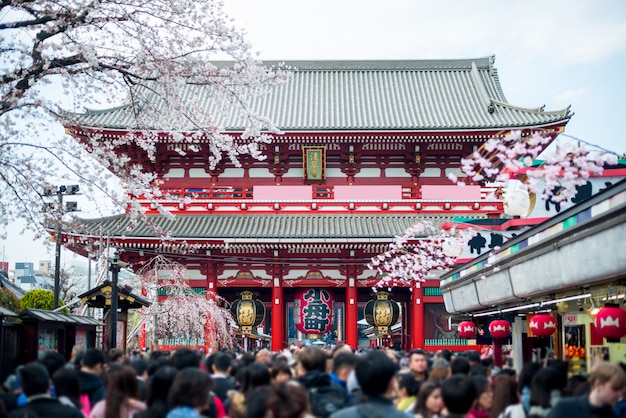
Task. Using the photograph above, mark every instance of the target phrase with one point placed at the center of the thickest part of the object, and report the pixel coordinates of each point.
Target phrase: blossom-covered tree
(183, 312)
(58, 57)
(510, 156)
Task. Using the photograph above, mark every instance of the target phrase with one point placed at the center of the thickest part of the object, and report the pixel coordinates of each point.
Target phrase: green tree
(9, 300)
(40, 299)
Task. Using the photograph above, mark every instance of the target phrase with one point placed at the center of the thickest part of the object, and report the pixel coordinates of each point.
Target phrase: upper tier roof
(420, 95)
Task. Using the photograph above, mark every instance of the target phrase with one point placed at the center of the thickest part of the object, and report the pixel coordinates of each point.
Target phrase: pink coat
(126, 410)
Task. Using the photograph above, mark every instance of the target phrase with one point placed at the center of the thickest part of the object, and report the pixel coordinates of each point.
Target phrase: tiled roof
(50, 316)
(422, 95)
(259, 227)
(6, 312)
(6, 283)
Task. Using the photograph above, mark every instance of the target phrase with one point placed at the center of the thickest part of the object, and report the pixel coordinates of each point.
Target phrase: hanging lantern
(611, 322)
(313, 311)
(500, 328)
(248, 312)
(452, 247)
(467, 329)
(516, 200)
(542, 325)
(381, 313)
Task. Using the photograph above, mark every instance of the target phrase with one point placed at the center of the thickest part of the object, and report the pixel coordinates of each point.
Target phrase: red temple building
(364, 154)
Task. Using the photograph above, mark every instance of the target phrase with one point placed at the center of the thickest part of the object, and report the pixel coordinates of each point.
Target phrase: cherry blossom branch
(421, 249)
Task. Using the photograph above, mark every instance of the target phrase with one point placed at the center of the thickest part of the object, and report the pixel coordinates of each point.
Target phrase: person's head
(121, 387)
(93, 361)
(484, 393)
(607, 381)
(544, 382)
(257, 401)
(460, 365)
(576, 385)
(185, 357)
(439, 373)
(311, 358)
(115, 355)
(66, 384)
(255, 375)
(280, 371)
(458, 393)
(288, 400)
(77, 350)
(158, 386)
(52, 361)
(263, 356)
(418, 362)
(34, 379)
(504, 394)
(479, 370)
(191, 388)
(562, 367)
(141, 368)
(343, 363)
(221, 363)
(473, 357)
(376, 374)
(429, 401)
(393, 355)
(407, 385)
(527, 373)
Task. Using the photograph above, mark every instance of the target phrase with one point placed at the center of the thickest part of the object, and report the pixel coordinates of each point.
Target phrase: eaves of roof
(251, 227)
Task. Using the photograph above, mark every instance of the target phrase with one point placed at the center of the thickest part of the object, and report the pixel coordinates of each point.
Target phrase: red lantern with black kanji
(542, 325)
(313, 311)
(610, 322)
(500, 328)
(467, 329)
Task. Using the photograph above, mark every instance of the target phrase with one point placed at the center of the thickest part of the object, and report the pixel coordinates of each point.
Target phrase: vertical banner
(314, 161)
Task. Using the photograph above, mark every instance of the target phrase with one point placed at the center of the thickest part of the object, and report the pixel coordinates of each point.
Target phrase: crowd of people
(305, 382)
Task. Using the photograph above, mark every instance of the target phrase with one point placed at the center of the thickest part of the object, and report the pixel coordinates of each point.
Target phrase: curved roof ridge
(537, 110)
(482, 88)
(351, 65)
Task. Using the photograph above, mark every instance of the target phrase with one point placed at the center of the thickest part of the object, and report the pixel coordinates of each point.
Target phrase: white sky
(555, 53)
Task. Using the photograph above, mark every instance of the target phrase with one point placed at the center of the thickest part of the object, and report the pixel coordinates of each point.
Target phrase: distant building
(24, 269)
(45, 266)
(35, 282)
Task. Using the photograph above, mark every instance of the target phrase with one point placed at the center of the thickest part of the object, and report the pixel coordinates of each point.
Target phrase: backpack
(327, 399)
(86, 404)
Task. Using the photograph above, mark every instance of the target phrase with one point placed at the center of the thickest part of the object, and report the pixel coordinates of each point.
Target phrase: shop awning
(571, 253)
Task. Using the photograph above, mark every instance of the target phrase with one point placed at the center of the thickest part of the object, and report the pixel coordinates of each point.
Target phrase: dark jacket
(44, 408)
(325, 396)
(317, 379)
(374, 407)
(92, 386)
(221, 386)
(580, 407)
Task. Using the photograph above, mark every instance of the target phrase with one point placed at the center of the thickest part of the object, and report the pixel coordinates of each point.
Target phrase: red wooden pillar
(352, 313)
(211, 293)
(417, 316)
(278, 308)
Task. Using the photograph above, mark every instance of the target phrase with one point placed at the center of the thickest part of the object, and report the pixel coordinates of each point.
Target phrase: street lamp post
(115, 269)
(71, 206)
